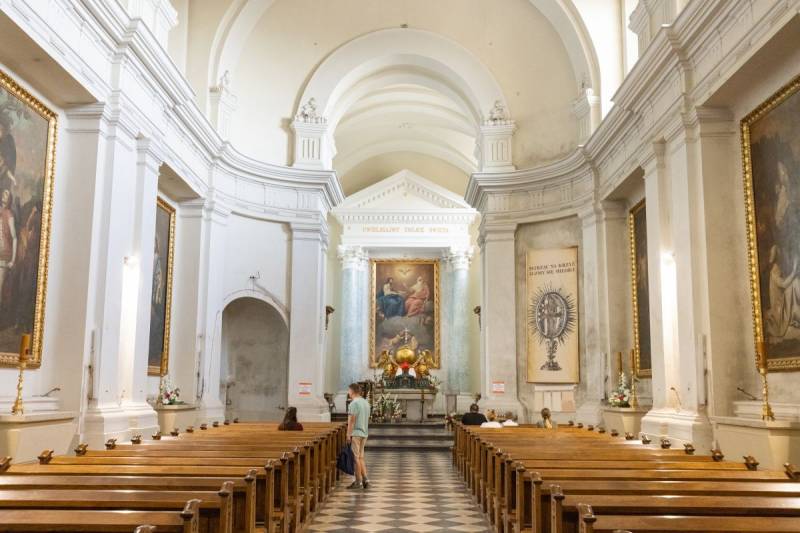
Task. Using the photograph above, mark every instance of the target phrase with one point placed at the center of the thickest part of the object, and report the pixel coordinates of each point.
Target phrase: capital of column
(652, 157)
(500, 232)
(458, 258)
(147, 155)
(352, 257)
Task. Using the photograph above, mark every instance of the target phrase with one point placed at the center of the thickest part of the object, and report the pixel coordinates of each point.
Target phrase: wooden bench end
(81, 449)
(750, 462)
(136, 439)
(111, 444)
(791, 471)
(5, 462)
(717, 454)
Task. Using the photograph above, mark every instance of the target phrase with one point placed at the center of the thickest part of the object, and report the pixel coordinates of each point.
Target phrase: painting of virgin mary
(391, 302)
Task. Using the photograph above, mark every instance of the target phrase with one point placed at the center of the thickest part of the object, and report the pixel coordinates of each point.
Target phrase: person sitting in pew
(491, 422)
(290, 422)
(473, 417)
(510, 421)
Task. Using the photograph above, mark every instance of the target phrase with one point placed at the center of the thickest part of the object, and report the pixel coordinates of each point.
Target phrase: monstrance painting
(640, 279)
(161, 295)
(405, 306)
(27, 153)
(552, 315)
(771, 153)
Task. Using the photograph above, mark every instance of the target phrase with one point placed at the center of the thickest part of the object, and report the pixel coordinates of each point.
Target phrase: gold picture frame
(162, 367)
(638, 321)
(33, 104)
(747, 125)
(400, 265)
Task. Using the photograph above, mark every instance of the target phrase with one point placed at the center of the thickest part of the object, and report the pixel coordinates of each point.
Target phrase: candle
(761, 353)
(633, 361)
(24, 346)
(619, 361)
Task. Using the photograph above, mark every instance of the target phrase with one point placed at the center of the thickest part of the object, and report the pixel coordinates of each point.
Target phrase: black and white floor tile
(410, 492)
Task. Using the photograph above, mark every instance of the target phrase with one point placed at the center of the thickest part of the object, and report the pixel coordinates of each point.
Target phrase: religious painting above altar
(771, 157)
(640, 289)
(405, 307)
(552, 315)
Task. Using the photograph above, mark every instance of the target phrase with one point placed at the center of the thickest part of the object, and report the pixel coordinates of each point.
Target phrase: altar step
(409, 436)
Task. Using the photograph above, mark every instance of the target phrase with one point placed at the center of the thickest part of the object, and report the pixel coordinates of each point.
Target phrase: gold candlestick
(619, 366)
(24, 350)
(634, 397)
(766, 408)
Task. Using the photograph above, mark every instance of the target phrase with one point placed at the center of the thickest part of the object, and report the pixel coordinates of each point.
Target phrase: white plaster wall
(257, 248)
(295, 35)
(560, 233)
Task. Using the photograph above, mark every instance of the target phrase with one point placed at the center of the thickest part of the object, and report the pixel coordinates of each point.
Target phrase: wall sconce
(328, 312)
(477, 311)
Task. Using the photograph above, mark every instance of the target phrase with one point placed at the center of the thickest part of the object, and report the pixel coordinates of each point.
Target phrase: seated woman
(492, 422)
(290, 422)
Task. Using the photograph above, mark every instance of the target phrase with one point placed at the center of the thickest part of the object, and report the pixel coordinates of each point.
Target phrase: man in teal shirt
(357, 433)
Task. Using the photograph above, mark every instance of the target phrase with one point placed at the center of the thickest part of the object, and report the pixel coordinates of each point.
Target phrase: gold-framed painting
(640, 290)
(27, 169)
(161, 294)
(404, 307)
(770, 137)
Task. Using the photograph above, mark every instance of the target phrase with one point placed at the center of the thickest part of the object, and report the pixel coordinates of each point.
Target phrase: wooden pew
(590, 523)
(244, 496)
(80, 521)
(215, 513)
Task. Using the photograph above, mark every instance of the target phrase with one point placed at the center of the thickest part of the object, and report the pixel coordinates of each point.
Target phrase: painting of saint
(405, 306)
(27, 150)
(640, 288)
(771, 149)
(161, 294)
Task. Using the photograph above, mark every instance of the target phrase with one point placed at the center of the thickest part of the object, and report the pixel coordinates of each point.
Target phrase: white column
(458, 371)
(498, 312)
(307, 321)
(353, 365)
(123, 192)
(605, 303)
(144, 228)
(212, 272)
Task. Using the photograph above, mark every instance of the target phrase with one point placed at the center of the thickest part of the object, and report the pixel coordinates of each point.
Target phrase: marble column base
(24, 437)
(680, 427)
(118, 422)
(773, 444)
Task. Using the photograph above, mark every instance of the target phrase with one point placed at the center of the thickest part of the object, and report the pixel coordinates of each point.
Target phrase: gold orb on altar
(405, 354)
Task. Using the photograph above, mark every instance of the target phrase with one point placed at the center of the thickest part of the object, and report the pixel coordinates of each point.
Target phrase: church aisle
(410, 491)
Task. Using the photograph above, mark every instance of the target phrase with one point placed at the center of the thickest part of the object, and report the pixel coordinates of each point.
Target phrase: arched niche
(255, 359)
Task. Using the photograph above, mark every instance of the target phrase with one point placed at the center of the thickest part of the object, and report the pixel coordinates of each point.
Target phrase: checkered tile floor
(413, 491)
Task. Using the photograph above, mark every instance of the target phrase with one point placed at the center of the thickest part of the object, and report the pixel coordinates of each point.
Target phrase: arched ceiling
(422, 90)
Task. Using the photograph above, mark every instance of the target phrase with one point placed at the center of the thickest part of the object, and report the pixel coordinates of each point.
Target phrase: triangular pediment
(403, 191)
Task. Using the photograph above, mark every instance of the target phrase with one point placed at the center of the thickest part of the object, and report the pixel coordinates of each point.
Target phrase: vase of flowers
(168, 394)
(621, 396)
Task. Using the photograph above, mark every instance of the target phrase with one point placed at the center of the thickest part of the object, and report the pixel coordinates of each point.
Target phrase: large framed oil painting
(640, 291)
(27, 160)
(161, 295)
(551, 278)
(405, 307)
(771, 158)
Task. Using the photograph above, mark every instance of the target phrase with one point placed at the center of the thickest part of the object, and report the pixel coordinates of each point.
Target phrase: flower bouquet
(621, 396)
(168, 394)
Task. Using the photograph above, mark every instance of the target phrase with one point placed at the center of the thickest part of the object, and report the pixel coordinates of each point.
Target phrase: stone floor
(410, 491)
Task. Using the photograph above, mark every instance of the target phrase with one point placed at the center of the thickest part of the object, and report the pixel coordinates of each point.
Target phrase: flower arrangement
(386, 407)
(621, 396)
(434, 381)
(168, 394)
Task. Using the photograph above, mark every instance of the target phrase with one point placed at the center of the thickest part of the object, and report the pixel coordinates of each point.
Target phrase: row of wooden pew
(572, 478)
(222, 478)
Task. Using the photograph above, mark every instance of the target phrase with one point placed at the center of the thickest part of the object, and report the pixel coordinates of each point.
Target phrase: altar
(415, 403)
